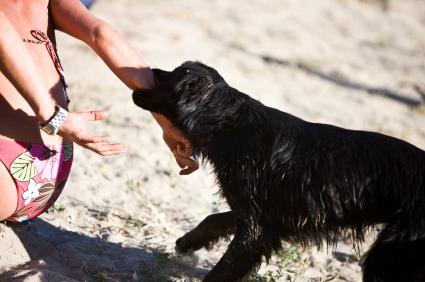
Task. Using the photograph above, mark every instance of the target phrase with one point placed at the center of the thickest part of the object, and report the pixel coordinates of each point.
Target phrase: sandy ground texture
(350, 63)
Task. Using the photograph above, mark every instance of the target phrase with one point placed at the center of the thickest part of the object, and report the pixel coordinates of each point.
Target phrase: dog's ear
(152, 100)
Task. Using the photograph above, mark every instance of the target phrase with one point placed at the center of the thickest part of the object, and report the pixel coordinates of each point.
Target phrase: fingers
(189, 169)
(182, 149)
(178, 141)
(185, 149)
(95, 115)
(106, 149)
(100, 145)
(94, 139)
(75, 129)
(188, 165)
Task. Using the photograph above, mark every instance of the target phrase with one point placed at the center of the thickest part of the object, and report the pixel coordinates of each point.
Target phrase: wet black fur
(288, 179)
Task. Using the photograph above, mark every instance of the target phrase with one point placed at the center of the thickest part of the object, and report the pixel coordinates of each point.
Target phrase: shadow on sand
(60, 254)
(341, 81)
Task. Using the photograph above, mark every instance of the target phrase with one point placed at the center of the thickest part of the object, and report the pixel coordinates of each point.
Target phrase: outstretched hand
(75, 129)
(181, 148)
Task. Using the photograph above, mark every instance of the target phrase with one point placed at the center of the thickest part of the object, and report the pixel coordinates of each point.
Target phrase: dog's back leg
(211, 229)
(398, 254)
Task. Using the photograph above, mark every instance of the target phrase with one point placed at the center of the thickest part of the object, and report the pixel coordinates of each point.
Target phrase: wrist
(163, 122)
(44, 114)
(52, 125)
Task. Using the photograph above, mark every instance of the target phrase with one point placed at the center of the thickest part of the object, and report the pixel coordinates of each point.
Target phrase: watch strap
(53, 124)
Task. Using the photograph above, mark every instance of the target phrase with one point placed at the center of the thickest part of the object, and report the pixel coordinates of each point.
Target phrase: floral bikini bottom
(39, 172)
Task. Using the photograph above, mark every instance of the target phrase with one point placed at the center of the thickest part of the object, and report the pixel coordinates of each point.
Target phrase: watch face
(49, 129)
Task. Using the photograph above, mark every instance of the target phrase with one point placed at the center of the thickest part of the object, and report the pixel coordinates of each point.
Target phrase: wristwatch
(51, 127)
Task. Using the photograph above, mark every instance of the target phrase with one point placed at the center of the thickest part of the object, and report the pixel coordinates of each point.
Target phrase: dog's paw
(183, 246)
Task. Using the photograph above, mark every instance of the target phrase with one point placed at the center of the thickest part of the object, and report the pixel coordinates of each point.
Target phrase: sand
(349, 63)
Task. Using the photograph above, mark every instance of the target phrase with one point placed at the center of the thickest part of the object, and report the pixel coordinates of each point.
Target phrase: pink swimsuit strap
(42, 38)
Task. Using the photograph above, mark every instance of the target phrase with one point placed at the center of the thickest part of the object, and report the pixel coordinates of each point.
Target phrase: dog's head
(196, 99)
(177, 90)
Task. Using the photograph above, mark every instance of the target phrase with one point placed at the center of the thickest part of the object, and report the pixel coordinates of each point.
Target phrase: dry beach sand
(350, 63)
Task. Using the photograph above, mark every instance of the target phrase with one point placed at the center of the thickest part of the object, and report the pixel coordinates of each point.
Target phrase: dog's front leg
(243, 255)
(212, 228)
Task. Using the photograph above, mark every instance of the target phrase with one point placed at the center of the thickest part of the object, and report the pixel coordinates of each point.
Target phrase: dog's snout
(160, 75)
(136, 96)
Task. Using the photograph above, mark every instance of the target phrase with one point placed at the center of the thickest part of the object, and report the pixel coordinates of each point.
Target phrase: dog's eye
(187, 70)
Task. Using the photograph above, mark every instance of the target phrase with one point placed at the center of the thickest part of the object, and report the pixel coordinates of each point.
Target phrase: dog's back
(333, 176)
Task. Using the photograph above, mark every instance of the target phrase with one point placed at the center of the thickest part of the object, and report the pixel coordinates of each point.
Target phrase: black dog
(288, 179)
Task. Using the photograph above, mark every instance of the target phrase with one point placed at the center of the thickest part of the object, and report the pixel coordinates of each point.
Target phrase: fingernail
(194, 157)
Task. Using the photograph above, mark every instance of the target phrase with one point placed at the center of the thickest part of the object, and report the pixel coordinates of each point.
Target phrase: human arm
(71, 17)
(18, 66)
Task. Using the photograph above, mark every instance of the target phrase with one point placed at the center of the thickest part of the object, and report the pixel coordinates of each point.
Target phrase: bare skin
(30, 86)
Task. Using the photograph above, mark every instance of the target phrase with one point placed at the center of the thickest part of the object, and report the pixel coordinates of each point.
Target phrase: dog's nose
(135, 96)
